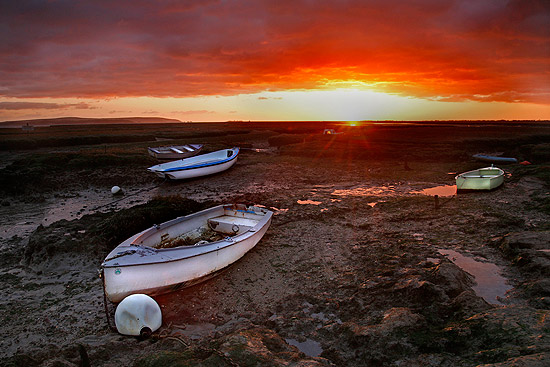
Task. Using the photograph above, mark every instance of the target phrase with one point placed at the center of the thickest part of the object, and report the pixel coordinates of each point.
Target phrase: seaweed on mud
(207, 235)
(168, 358)
(46, 172)
(104, 231)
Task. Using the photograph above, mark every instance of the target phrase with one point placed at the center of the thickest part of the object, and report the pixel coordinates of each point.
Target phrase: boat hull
(494, 159)
(483, 179)
(175, 152)
(127, 269)
(203, 165)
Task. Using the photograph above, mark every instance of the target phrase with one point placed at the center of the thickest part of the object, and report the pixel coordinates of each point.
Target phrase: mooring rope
(105, 303)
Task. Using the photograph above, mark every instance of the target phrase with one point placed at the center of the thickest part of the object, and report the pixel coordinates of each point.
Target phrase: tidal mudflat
(360, 267)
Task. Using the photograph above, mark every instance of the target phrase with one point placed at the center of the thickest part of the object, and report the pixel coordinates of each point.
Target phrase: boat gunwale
(198, 164)
(167, 148)
(227, 241)
(491, 177)
(494, 158)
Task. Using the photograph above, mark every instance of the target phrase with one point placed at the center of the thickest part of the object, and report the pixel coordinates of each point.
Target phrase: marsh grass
(106, 134)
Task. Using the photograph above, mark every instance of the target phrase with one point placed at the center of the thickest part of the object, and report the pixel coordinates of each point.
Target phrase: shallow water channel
(491, 285)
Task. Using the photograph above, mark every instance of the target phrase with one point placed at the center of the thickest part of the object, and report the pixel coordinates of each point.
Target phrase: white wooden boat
(147, 263)
(175, 151)
(487, 178)
(200, 165)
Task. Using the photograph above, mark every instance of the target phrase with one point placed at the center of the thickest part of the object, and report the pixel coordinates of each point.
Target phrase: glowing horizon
(259, 60)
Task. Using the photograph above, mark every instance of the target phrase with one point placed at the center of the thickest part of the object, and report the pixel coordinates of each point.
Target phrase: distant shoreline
(76, 121)
(87, 121)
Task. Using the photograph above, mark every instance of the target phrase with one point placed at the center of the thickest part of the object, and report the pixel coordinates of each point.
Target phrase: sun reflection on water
(445, 190)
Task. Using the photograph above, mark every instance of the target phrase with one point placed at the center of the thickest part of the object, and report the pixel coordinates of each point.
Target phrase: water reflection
(365, 191)
(309, 347)
(311, 202)
(393, 190)
(490, 284)
(445, 190)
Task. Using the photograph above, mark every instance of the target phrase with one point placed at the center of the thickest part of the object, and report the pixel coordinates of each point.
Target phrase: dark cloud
(424, 48)
(42, 106)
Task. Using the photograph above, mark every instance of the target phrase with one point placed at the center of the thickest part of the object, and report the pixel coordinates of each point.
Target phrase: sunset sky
(214, 60)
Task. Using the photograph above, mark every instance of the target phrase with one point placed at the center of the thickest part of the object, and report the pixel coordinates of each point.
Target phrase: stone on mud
(452, 279)
(530, 250)
(468, 303)
(264, 347)
(534, 360)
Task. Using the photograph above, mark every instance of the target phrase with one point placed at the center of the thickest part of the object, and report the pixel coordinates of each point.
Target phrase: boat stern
(157, 172)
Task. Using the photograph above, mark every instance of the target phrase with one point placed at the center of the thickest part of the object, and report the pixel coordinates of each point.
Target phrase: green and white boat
(487, 178)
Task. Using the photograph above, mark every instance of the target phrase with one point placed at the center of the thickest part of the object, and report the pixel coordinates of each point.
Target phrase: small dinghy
(201, 165)
(494, 159)
(175, 151)
(487, 178)
(183, 251)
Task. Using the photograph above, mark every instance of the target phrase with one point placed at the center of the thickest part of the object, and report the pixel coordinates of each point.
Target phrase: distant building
(331, 132)
(27, 127)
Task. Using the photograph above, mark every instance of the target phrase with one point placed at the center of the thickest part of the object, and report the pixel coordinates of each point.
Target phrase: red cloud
(452, 50)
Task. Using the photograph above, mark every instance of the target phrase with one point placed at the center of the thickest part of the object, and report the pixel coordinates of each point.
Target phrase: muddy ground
(360, 266)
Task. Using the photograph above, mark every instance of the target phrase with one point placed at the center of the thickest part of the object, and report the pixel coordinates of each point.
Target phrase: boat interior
(231, 225)
(483, 173)
(215, 229)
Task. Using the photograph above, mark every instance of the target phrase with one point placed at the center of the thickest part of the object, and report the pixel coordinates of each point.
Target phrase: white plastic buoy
(116, 190)
(138, 315)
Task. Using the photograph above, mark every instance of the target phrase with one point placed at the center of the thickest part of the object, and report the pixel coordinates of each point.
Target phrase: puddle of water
(392, 190)
(304, 202)
(490, 284)
(278, 211)
(445, 190)
(309, 347)
(365, 191)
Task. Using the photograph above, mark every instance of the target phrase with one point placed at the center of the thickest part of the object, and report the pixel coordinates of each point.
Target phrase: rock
(501, 334)
(533, 360)
(537, 288)
(420, 290)
(452, 279)
(468, 303)
(397, 318)
(402, 318)
(391, 339)
(526, 240)
(529, 250)
(264, 347)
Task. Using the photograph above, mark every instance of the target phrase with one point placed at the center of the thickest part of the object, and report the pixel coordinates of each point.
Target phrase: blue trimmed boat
(494, 159)
(200, 165)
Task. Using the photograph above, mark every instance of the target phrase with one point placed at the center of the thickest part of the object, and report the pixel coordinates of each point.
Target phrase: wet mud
(361, 265)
